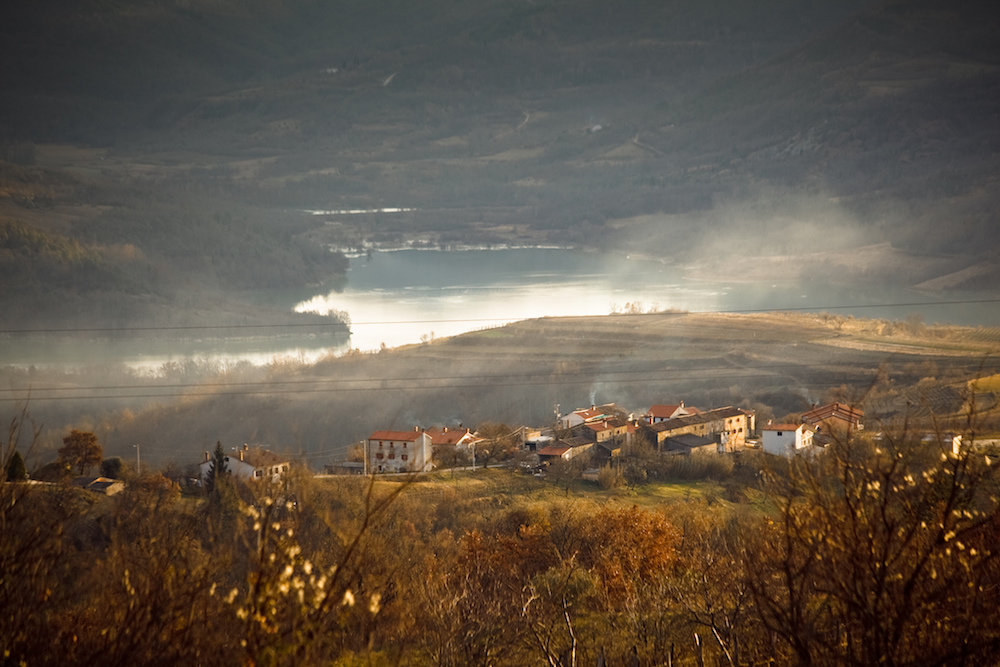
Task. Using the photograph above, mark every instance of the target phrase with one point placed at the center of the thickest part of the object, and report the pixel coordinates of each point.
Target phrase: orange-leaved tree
(81, 450)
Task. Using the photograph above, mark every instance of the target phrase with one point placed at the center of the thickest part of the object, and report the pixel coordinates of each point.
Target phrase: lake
(405, 296)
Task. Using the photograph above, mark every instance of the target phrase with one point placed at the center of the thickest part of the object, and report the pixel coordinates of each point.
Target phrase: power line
(292, 325)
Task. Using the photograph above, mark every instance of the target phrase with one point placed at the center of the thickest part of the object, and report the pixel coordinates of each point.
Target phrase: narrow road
(635, 140)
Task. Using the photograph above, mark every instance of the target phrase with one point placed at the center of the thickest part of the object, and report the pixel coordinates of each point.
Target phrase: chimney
(207, 457)
(246, 447)
(241, 455)
(416, 429)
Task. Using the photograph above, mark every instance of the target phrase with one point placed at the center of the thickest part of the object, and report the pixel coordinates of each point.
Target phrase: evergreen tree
(16, 471)
(216, 469)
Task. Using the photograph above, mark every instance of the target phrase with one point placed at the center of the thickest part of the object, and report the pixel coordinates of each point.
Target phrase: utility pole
(138, 469)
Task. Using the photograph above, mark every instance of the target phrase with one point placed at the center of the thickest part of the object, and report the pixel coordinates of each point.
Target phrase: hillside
(196, 132)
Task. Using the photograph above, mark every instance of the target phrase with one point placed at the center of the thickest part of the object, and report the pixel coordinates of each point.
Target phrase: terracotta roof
(590, 413)
(447, 436)
(599, 426)
(606, 424)
(553, 450)
(408, 436)
(662, 411)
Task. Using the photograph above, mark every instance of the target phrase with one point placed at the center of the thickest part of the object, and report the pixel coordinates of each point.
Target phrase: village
(584, 440)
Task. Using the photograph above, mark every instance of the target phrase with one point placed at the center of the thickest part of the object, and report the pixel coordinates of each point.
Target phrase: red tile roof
(599, 426)
(553, 450)
(448, 436)
(589, 413)
(408, 436)
(662, 411)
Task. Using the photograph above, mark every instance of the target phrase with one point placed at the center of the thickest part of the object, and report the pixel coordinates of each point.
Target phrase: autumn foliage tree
(80, 450)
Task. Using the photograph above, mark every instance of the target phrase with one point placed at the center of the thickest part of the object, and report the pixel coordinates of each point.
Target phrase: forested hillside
(572, 122)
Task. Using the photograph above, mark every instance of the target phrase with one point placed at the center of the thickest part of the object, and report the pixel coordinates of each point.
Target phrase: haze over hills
(162, 149)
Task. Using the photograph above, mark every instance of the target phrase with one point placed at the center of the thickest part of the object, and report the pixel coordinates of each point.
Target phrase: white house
(250, 463)
(786, 439)
(564, 450)
(584, 415)
(459, 437)
(399, 451)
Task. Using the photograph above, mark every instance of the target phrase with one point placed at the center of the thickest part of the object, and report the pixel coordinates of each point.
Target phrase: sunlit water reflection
(406, 296)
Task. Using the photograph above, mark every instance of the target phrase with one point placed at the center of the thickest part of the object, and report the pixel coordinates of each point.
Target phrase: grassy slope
(502, 487)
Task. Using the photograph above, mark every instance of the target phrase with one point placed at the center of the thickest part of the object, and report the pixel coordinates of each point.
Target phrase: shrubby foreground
(878, 551)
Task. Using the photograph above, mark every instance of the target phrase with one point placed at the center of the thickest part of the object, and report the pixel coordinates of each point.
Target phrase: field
(499, 487)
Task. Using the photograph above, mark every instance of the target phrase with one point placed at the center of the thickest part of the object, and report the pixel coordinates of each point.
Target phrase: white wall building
(399, 451)
(250, 463)
(583, 416)
(786, 439)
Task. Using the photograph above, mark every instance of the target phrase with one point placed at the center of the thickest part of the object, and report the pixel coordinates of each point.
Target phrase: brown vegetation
(875, 549)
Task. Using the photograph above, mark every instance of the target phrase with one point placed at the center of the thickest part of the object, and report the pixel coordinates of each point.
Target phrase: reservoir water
(406, 296)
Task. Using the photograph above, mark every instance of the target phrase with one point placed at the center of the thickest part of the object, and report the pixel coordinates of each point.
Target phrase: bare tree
(882, 551)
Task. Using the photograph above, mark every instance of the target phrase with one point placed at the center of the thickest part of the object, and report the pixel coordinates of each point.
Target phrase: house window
(392, 455)
(779, 433)
(258, 473)
(379, 455)
(404, 445)
(404, 457)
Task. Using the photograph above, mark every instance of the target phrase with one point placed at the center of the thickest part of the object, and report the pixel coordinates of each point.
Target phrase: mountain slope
(900, 105)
